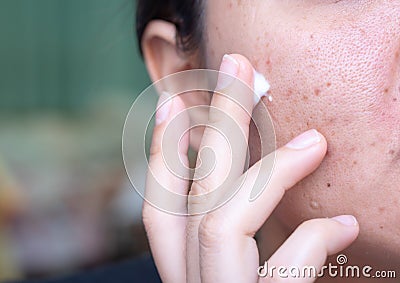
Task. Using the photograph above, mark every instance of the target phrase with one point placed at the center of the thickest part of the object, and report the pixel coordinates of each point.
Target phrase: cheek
(345, 83)
(342, 78)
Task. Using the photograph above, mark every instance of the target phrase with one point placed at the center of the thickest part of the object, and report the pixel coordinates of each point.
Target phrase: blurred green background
(63, 54)
(70, 69)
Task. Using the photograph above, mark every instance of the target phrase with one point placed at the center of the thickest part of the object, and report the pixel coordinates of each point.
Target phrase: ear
(163, 57)
(161, 54)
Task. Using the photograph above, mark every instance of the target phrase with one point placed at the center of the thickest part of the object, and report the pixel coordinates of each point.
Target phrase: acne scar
(317, 92)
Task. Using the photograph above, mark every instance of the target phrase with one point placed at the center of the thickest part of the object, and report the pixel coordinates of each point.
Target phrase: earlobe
(160, 51)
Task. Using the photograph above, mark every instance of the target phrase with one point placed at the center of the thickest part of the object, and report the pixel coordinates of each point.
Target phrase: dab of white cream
(261, 87)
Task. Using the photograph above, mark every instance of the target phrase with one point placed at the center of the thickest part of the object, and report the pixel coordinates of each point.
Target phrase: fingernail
(348, 220)
(229, 66)
(261, 87)
(305, 140)
(163, 107)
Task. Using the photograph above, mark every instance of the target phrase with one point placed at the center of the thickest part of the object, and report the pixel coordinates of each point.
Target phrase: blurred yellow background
(70, 69)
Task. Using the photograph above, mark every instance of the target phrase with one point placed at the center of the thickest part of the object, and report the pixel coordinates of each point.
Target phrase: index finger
(226, 133)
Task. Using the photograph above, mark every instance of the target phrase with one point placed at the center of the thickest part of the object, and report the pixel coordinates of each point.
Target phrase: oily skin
(333, 66)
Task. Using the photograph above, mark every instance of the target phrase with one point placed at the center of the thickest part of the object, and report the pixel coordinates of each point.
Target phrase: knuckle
(211, 231)
(199, 188)
(200, 198)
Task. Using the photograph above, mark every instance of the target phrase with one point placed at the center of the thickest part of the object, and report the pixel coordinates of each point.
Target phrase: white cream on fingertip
(261, 87)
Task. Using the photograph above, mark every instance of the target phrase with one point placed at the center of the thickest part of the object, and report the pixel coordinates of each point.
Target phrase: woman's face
(334, 66)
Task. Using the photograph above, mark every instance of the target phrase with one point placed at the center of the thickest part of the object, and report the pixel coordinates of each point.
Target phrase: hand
(219, 246)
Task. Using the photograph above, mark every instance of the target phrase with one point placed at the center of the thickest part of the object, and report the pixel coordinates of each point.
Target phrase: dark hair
(187, 15)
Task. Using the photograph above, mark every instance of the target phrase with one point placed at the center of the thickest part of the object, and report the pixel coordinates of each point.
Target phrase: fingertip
(306, 140)
(323, 142)
(347, 220)
(347, 229)
(246, 71)
(167, 107)
(163, 108)
(171, 124)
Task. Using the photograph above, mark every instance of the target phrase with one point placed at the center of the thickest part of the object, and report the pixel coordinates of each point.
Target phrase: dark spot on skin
(354, 162)
(317, 92)
(397, 55)
(328, 84)
(373, 144)
(381, 227)
(230, 5)
(386, 90)
(394, 99)
(395, 155)
(305, 97)
(328, 185)
(311, 36)
(290, 92)
(381, 209)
